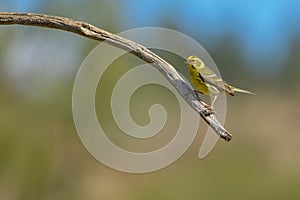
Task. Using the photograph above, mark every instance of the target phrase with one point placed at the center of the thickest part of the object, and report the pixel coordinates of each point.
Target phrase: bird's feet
(209, 109)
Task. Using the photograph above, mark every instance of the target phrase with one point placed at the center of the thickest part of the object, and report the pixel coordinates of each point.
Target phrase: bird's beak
(187, 62)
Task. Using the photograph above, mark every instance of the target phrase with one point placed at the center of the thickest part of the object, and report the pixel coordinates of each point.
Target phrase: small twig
(90, 31)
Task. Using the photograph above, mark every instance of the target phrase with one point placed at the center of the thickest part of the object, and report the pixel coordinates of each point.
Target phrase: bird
(207, 82)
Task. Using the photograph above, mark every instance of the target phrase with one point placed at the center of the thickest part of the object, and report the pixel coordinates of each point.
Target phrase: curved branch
(90, 31)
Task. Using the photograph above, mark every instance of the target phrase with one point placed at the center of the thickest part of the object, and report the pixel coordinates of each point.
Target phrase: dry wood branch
(89, 31)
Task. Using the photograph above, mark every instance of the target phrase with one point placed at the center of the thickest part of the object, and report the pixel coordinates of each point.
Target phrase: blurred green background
(255, 45)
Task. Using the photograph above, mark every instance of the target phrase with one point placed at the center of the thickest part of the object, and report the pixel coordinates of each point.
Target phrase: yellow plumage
(206, 81)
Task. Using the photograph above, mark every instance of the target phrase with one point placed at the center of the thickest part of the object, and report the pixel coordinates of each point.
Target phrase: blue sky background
(262, 29)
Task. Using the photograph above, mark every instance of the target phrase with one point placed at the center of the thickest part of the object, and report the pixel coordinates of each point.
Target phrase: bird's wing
(211, 78)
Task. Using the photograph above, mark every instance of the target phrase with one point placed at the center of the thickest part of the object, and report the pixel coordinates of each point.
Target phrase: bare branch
(90, 31)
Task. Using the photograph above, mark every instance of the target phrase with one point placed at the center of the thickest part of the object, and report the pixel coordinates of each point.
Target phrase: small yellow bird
(207, 82)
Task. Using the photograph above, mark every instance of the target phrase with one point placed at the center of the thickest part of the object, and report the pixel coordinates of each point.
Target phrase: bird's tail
(242, 91)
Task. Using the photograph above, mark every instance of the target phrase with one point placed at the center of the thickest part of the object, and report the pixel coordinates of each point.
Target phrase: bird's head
(194, 62)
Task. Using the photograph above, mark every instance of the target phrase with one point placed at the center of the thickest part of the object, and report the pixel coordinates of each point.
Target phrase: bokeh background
(255, 44)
